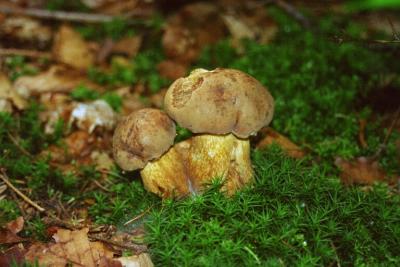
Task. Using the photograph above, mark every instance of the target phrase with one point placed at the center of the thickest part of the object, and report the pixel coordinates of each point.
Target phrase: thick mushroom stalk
(191, 164)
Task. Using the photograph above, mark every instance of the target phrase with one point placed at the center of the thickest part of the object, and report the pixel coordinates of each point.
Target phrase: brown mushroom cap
(144, 135)
(221, 101)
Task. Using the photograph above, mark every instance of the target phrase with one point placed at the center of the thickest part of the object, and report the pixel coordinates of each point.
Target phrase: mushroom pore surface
(220, 101)
(144, 135)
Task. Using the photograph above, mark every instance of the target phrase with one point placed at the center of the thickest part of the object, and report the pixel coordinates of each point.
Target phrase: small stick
(139, 216)
(23, 52)
(382, 146)
(4, 177)
(15, 142)
(57, 15)
(100, 186)
(135, 247)
(292, 11)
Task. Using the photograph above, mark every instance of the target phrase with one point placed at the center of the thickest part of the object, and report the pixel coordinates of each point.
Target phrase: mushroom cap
(220, 101)
(142, 136)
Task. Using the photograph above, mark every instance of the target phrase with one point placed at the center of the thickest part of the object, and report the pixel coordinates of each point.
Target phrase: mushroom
(141, 137)
(224, 107)
(220, 101)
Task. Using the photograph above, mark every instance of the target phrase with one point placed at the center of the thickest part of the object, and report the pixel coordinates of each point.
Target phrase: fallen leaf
(157, 100)
(8, 237)
(13, 255)
(55, 79)
(25, 29)
(16, 225)
(128, 46)
(7, 92)
(71, 247)
(91, 115)
(270, 136)
(70, 48)
(172, 70)
(5, 105)
(102, 160)
(78, 143)
(360, 171)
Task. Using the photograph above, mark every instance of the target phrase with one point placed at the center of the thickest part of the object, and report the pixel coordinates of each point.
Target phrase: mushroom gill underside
(190, 165)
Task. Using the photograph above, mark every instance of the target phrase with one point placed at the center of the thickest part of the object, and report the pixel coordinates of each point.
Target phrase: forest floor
(327, 169)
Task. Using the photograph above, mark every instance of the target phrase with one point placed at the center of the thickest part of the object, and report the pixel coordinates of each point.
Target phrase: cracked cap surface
(220, 101)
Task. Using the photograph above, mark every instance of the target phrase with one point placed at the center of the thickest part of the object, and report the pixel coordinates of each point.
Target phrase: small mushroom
(142, 136)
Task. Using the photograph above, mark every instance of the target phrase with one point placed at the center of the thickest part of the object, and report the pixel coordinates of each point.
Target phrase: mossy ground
(297, 213)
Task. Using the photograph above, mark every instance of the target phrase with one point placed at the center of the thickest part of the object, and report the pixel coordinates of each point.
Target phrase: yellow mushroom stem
(191, 164)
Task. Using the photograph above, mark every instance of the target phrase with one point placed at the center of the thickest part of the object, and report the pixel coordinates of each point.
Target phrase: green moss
(294, 215)
(141, 70)
(8, 211)
(16, 66)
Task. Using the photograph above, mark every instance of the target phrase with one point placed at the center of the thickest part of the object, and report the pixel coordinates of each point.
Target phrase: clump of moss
(293, 215)
(142, 69)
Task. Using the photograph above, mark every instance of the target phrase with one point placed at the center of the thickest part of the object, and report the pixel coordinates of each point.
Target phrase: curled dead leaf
(25, 29)
(10, 95)
(55, 79)
(70, 247)
(271, 136)
(360, 171)
(16, 225)
(70, 49)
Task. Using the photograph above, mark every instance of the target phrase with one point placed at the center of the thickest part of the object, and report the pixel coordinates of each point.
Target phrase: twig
(136, 247)
(138, 216)
(20, 148)
(292, 11)
(57, 15)
(382, 147)
(23, 52)
(396, 36)
(100, 186)
(4, 177)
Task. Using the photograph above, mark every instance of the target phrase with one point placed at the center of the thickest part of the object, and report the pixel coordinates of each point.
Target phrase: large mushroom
(224, 107)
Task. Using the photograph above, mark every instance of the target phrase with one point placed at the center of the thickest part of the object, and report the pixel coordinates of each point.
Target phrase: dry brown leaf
(271, 136)
(7, 92)
(172, 70)
(70, 48)
(5, 105)
(71, 247)
(55, 79)
(128, 46)
(102, 160)
(78, 144)
(131, 101)
(14, 255)
(157, 100)
(8, 237)
(16, 225)
(25, 29)
(257, 26)
(360, 171)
